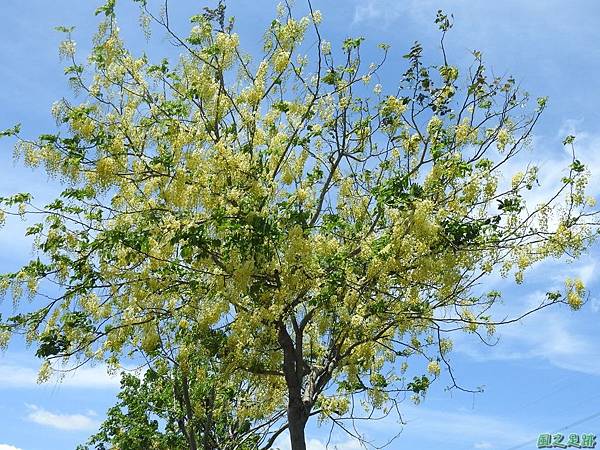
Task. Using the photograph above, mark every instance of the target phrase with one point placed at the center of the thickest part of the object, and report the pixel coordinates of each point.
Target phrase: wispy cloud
(66, 422)
(471, 428)
(554, 335)
(387, 11)
(550, 335)
(526, 15)
(586, 148)
(17, 376)
(316, 444)
(465, 428)
(553, 160)
(483, 445)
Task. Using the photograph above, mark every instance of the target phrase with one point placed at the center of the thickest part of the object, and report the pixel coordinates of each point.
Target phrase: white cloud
(586, 149)
(316, 444)
(552, 335)
(8, 447)
(461, 427)
(553, 160)
(387, 11)
(91, 377)
(19, 376)
(67, 422)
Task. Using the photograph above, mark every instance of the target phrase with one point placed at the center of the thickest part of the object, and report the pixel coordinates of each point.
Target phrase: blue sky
(543, 375)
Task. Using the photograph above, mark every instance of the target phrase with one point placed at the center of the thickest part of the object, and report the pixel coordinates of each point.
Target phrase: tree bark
(297, 419)
(297, 412)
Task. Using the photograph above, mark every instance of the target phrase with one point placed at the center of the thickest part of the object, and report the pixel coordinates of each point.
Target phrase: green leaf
(442, 20)
(64, 29)
(108, 8)
(352, 43)
(35, 229)
(419, 385)
(11, 131)
(577, 166)
(331, 78)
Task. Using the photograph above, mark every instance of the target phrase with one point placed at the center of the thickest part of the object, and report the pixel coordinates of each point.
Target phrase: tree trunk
(297, 412)
(297, 419)
(185, 423)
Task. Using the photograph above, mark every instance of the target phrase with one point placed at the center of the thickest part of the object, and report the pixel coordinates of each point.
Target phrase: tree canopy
(276, 236)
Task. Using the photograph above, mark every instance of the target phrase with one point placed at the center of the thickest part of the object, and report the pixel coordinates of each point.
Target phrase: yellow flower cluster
(575, 292)
(465, 133)
(434, 368)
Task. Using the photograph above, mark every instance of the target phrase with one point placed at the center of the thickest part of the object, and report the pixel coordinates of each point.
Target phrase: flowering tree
(323, 232)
